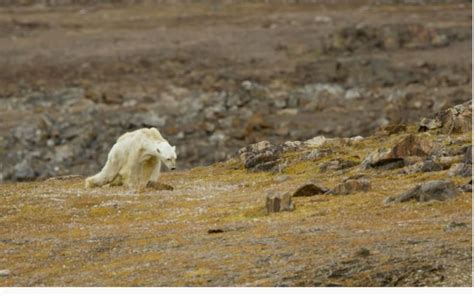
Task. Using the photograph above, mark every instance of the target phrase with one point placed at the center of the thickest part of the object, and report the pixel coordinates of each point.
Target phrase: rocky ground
(391, 209)
(216, 77)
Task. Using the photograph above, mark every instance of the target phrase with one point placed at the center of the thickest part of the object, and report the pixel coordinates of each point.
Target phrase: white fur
(135, 160)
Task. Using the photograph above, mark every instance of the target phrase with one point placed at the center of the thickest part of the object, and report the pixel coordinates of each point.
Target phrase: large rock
(394, 157)
(432, 190)
(457, 119)
(337, 164)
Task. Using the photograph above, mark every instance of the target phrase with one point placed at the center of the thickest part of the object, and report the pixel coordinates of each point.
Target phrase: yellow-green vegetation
(58, 233)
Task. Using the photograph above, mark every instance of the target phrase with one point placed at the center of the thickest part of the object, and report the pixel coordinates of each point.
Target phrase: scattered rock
(276, 202)
(310, 190)
(385, 158)
(350, 186)
(432, 190)
(460, 169)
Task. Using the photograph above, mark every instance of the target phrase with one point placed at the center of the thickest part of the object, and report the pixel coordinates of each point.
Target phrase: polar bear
(135, 160)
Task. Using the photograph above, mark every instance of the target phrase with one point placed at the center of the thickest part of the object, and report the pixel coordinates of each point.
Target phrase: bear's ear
(174, 148)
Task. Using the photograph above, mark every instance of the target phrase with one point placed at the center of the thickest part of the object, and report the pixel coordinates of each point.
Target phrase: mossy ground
(56, 233)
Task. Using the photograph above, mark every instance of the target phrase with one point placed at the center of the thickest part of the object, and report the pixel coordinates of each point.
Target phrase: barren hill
(392, 209)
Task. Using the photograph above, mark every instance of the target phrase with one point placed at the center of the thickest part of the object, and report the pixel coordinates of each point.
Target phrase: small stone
(310, 190)
(4, 272)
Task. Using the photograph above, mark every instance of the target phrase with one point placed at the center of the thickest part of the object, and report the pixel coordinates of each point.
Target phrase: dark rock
(432, 190)
(215, 230)
(350, 186)
(276, 202)
(310, 190)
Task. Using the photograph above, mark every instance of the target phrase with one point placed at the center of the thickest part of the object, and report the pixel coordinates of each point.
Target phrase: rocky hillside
(215, 78)
(391, 209)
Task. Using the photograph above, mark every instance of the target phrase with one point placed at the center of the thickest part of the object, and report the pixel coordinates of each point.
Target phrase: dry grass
(59, 234)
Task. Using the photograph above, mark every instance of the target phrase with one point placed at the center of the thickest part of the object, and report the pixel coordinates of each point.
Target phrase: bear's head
(167, 154)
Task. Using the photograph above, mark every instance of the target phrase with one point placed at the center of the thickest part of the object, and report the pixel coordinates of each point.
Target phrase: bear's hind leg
(106, 175)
